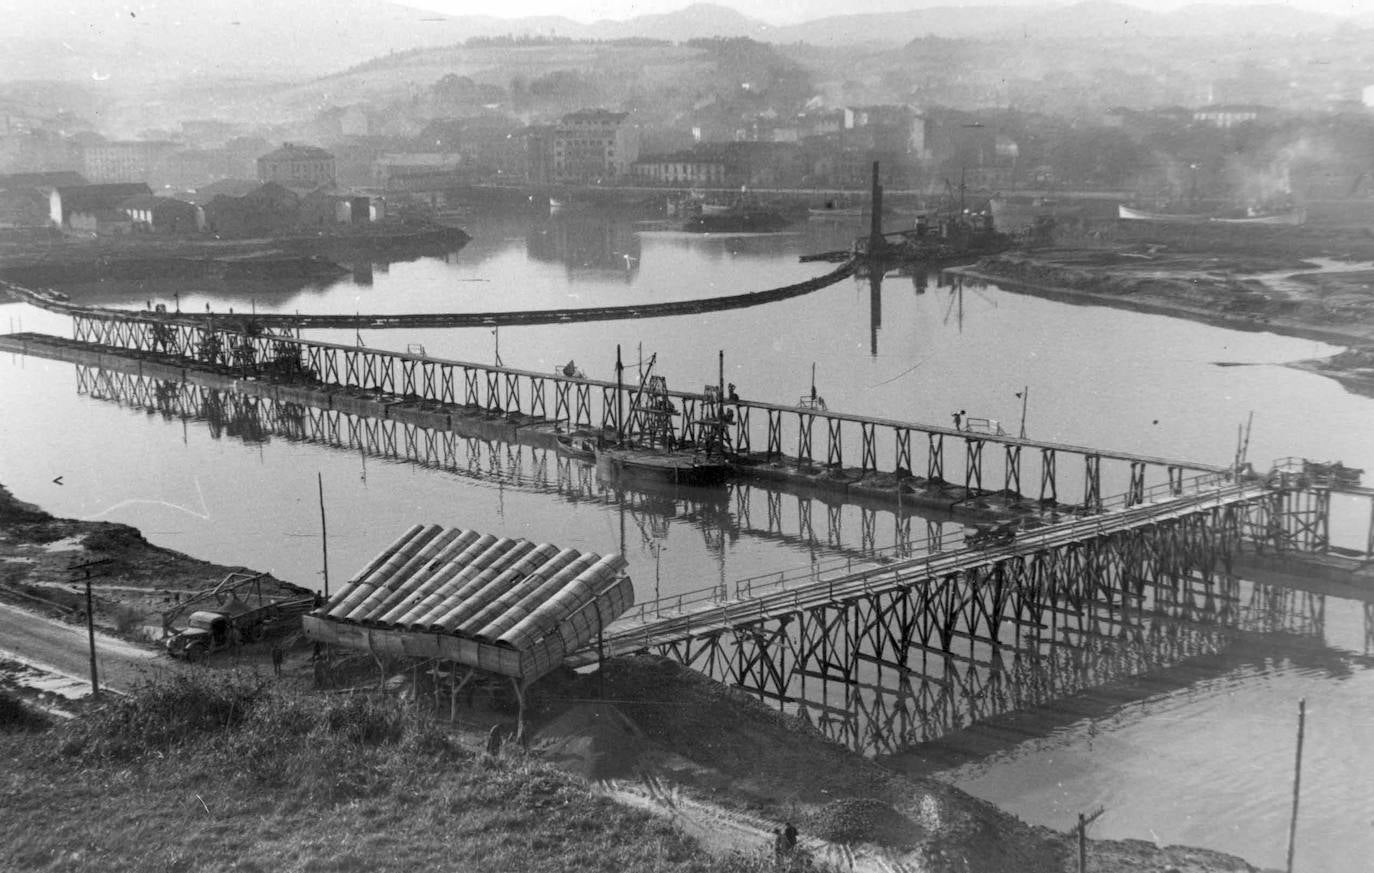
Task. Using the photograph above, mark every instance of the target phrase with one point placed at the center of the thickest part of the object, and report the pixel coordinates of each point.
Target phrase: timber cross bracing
(946, 622)
(856, 444)
(986, 595)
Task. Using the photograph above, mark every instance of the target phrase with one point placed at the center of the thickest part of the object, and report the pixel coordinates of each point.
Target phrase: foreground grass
(216, 774)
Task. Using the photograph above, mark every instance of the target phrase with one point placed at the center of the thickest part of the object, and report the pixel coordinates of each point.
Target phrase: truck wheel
(197, 652)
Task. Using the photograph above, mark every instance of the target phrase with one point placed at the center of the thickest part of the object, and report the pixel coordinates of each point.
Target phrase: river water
(1202, 755)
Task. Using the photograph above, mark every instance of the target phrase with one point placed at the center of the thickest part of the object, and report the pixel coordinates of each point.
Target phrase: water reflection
(592, 246)
(920, 282)
(826, 527)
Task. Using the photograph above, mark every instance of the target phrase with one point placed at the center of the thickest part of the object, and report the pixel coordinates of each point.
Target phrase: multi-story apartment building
(298, 166)
(124, 161)
(593, 145)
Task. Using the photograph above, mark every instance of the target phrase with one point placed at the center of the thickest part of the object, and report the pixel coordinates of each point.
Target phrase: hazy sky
(792, 11)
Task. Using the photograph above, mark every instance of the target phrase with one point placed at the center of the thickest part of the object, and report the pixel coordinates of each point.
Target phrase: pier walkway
(828, 448)
(703, 613)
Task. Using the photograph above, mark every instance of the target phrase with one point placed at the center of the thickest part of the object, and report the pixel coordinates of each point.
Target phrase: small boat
(674, 466)
(578, 447)
(1128, 213)
(1289, 217)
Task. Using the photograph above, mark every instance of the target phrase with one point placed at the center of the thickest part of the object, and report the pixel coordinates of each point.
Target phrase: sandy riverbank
(1332, 301)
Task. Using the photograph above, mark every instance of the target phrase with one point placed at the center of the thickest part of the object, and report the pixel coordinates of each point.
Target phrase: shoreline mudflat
(1283, 295)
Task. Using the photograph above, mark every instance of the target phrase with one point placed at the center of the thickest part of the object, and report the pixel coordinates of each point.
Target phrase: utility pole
(619, 395)
(324, 533)
(1083, 822)
(90, 619)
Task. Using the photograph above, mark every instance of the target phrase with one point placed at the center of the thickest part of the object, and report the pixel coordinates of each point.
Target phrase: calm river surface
(1203, 756)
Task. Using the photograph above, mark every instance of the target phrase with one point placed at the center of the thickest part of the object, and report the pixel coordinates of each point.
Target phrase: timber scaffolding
(886, 654)
(1155, 544)
(1166, 626)
(823, 448)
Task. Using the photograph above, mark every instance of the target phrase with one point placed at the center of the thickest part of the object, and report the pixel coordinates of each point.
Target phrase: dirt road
(62, 650)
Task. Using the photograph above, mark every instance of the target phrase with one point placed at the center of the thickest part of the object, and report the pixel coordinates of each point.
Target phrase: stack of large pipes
(379, 568)
(536, 599)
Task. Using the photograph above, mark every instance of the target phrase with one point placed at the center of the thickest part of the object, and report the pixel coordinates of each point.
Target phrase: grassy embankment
(230, 772)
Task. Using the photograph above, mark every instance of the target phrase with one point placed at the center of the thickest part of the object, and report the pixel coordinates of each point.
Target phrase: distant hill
(139, 41)
(1095, 19)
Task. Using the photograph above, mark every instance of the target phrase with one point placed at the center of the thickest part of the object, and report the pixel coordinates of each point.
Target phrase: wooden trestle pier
(1161, 546)
(784, 436)
(891, 653)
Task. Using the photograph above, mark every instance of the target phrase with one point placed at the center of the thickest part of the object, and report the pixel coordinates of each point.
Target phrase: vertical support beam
(1049, 490)
(834, 443)
(1175, 480)
(1013, 467)
(903, 462)
(1135, 495)
(1323, 520)
(1092, 483)
(804, 420)
(869, 461)
(935, 457)
(973, 463)
(774, 434)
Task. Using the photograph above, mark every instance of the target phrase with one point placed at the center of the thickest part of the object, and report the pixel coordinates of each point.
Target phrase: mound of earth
(722, 744)
(864, 820)
(594, 740)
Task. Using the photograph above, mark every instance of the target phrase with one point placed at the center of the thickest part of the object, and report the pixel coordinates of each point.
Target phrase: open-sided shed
(505, 606)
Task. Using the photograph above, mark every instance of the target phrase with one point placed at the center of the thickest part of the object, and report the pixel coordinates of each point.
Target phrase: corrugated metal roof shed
(508, 606)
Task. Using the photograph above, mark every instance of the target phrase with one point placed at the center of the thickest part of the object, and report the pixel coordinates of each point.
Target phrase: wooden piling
(1297, 782)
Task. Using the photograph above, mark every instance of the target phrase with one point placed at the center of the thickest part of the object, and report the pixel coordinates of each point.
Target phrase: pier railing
(861, 449)
(879, 568)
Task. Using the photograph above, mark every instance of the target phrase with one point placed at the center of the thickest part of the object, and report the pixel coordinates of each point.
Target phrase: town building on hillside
(90, 200)
(756, 164)
(163, 215)
(681, 168)
(124, 161)
(593, 145)
(297, 166)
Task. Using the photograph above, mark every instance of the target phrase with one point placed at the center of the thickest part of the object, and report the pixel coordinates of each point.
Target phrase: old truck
(219, 619)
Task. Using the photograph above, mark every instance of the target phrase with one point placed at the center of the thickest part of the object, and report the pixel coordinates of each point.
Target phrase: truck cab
(205, 632)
